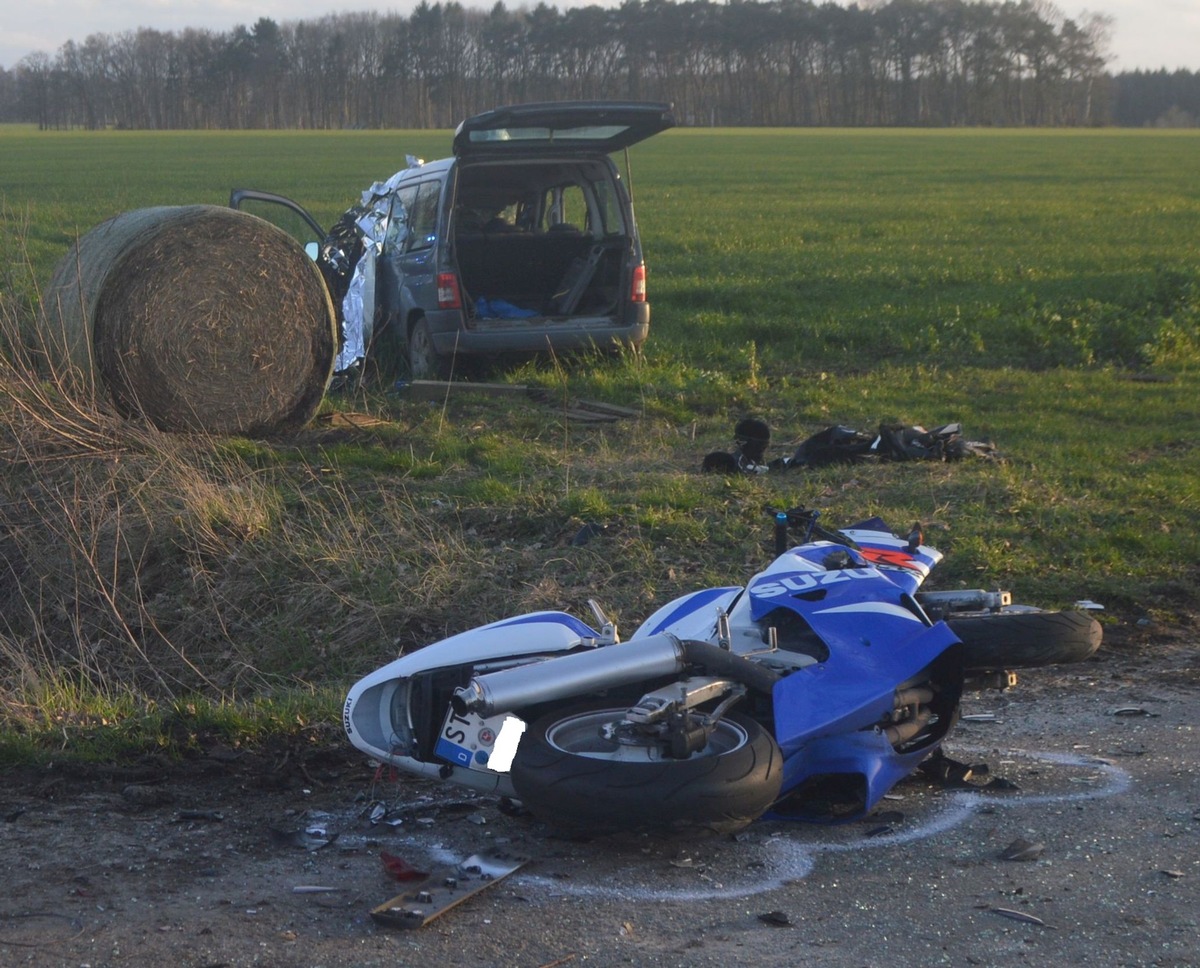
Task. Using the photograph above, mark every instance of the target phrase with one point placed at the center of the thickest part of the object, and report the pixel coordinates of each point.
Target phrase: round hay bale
(196, 317)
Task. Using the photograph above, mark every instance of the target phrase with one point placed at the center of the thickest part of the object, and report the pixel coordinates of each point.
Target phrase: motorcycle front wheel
(571, 773)
(994, 641)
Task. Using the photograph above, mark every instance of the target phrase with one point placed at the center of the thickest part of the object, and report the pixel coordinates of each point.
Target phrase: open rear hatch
(601, 127)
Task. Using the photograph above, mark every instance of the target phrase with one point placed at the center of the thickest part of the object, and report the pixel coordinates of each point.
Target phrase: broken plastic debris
(1089, 606)
(310, 838)
(401, 869)
(1018, 916)
(1132, 711)
(1021, 849)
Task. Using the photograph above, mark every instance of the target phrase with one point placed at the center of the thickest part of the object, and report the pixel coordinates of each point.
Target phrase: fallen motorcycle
(808, 693)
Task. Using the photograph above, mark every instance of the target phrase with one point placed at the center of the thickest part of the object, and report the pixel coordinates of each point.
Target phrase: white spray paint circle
(784, 859)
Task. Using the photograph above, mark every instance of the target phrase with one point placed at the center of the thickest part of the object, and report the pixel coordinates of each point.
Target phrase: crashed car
(523, 242)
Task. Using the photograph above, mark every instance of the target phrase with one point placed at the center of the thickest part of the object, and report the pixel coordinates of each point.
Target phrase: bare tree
(737, 62)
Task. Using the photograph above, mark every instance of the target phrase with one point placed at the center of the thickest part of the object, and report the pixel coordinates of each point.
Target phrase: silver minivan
(523, 242)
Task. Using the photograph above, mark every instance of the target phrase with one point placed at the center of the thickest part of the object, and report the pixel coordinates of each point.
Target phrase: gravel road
(200, 867)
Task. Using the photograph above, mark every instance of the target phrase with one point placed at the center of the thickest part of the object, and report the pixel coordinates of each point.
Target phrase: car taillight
(447, 287)
(637, 292)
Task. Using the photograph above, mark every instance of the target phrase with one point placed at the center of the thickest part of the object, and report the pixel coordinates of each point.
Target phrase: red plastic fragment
(401, 869)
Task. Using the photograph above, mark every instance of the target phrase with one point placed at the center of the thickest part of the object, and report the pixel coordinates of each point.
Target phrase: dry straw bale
(197, 317)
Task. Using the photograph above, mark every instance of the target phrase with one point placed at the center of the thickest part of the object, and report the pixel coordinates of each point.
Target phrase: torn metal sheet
(447, 886)
(384, 225)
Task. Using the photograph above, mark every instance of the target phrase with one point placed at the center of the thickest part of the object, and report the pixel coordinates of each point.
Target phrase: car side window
(401, 216)
(422, 217)
(564, 207)
(608, 208)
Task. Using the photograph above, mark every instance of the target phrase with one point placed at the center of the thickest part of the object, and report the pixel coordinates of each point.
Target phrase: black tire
(424, 362)
(1023, 640)
(565, 773)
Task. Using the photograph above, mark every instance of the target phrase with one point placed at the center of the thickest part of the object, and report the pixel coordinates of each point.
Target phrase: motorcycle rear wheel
(996, 641)
(573, 778)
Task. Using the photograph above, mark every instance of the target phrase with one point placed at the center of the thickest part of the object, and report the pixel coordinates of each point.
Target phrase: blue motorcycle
(807, 693)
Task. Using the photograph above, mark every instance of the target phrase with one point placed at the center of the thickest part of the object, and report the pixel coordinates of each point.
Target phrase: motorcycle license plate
(475, 743)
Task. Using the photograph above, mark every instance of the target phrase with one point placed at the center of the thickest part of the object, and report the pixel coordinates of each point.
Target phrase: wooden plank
(438, 389)
(446, 887)
(594, 410)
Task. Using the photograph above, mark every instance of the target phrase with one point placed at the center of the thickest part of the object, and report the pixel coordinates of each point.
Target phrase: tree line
(742, 62)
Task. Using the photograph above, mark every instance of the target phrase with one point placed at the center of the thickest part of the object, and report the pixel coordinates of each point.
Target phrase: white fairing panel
(375, 715)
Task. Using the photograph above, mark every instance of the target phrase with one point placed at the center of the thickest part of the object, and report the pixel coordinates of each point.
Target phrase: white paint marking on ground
(786, 858)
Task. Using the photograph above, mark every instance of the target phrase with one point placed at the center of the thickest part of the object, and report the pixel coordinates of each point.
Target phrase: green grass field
(1042, 287)
(1033, 249)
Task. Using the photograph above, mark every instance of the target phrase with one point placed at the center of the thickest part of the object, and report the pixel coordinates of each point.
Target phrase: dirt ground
(273, 859)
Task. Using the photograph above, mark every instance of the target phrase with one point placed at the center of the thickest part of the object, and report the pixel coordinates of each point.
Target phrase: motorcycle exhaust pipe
(653, 657)
(570, 675)
(903, 732)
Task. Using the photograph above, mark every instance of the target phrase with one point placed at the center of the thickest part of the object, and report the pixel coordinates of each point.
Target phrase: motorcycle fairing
(905, 565)
(690, 616)
(377, 715)
(829, 716)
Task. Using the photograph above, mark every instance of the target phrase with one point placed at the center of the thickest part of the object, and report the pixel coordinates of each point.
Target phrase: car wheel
(424, 362)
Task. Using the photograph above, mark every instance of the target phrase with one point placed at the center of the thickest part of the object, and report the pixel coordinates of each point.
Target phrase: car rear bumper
(493, 336)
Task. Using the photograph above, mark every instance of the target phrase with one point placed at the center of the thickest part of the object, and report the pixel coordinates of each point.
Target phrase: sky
(1147, 34)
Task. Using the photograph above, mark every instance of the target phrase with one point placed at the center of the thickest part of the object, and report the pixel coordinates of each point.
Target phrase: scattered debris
(592, 411)
(1174, 875)
(776, 919)
(1018, 916)
(1133, 711)
(1023, 850)
(401, 869)
(445, 887)
(978, 718)
(314, 889)
(308, 838)
(953, 775)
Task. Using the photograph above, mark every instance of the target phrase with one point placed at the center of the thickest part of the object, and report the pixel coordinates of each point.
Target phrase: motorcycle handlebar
(786, 521)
